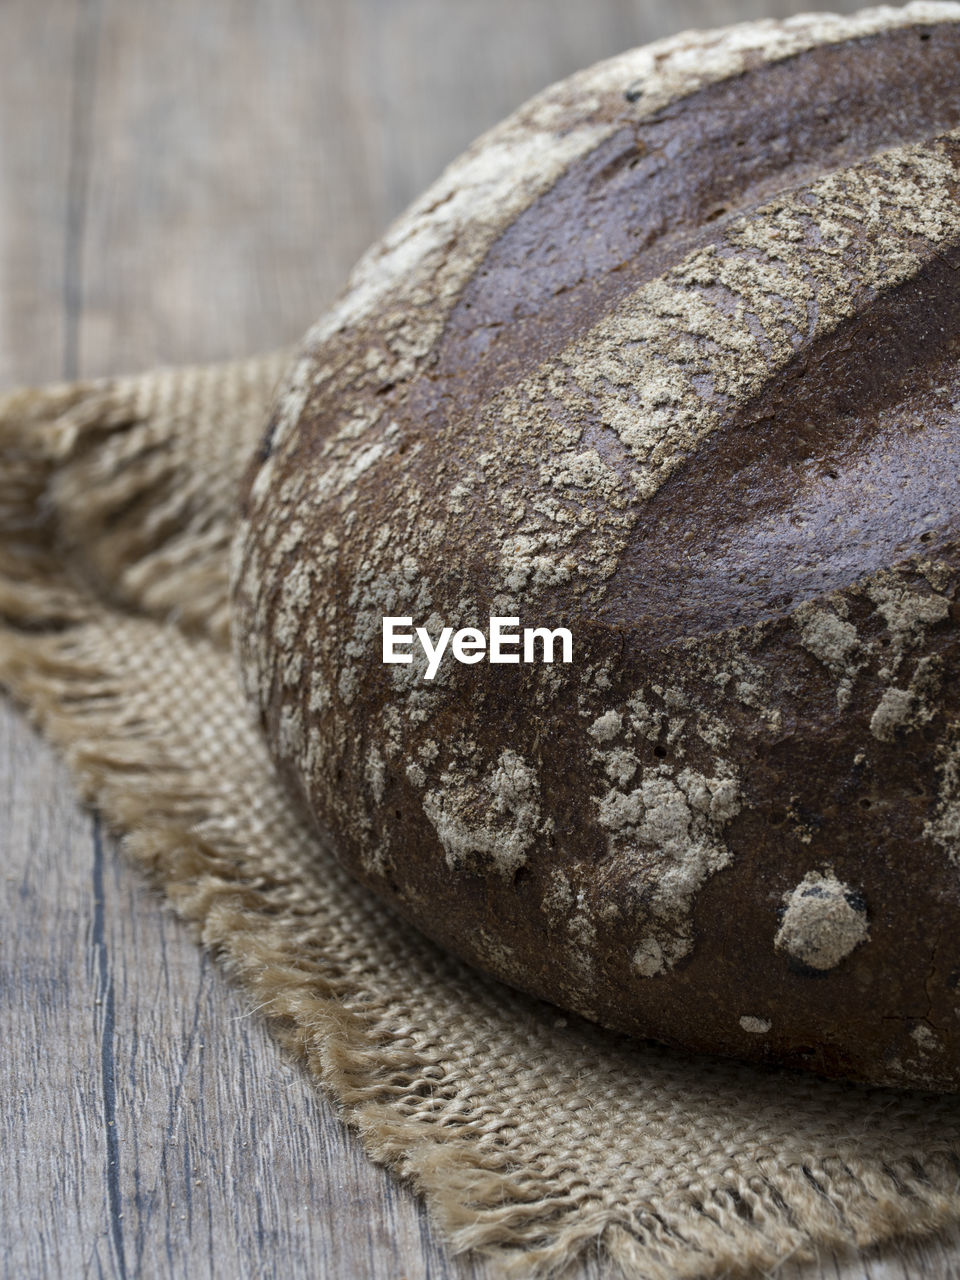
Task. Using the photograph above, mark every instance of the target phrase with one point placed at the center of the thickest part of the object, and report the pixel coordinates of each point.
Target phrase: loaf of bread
(668, 364)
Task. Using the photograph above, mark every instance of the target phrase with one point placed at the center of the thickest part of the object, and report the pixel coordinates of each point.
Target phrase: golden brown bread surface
(669, 359)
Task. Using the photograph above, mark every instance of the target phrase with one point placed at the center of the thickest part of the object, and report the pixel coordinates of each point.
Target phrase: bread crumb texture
(672, 820)
(755, 1026)
(823, 922)
(489, 820)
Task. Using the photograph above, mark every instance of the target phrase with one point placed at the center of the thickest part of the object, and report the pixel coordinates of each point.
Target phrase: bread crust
(669, 358)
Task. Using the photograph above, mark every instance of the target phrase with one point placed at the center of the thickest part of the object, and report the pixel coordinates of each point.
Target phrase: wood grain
(190, 181)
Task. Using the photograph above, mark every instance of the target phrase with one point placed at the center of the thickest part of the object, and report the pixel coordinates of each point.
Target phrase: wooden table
(188, 181)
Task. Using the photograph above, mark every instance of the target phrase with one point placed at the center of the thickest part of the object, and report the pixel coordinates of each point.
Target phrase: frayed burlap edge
(73, 560)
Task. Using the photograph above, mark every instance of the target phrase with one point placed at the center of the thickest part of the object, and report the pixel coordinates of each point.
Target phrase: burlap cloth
(530, 1134)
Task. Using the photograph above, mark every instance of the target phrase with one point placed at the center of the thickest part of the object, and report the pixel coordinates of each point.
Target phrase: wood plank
(35, 149)
(151, 1126)
(186, 182)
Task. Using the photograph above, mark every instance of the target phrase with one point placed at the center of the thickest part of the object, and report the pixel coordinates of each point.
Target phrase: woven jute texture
(530, 1134)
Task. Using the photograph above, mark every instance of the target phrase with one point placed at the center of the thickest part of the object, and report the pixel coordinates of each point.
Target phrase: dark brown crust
(850, 466)
(661, 186)
(734, 823)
